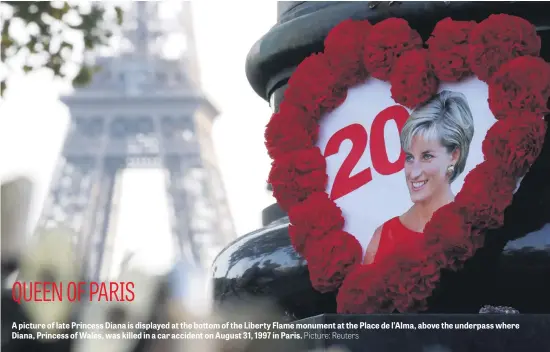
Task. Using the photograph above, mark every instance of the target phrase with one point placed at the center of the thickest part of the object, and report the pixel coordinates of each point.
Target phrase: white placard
(371, 204)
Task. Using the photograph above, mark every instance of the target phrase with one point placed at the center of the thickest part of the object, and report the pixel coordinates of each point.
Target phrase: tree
(37, 34)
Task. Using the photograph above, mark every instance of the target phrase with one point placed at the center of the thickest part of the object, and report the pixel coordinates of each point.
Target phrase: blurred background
(111, 107)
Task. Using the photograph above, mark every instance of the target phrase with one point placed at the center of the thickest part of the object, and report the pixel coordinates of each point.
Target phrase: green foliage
(46, 24)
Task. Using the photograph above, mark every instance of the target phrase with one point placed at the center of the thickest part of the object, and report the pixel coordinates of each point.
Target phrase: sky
(32, 134)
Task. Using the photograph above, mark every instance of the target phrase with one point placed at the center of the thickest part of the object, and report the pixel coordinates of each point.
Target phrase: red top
(394, 234)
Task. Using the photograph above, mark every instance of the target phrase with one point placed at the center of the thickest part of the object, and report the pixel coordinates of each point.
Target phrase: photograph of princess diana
(436, 140)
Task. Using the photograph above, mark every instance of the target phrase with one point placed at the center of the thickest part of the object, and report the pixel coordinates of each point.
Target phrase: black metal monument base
(513, 267)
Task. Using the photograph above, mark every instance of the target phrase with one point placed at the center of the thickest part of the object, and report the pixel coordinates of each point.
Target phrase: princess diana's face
(426, 167)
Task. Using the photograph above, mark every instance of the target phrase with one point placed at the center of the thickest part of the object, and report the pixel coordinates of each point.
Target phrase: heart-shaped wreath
(502, 51)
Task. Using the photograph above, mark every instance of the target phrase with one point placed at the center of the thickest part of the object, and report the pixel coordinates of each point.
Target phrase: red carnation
(449, 232)
(385, 43)
(500, 48)
(344, 51)
(330, 259)
(364, 291)
(410, 282)
(290, 129)
(498, 39)
(521, 87)
(487, 192)
(314, 87)
(313, 218)
(298, 238)
(448, 49)
(447, 225)
(296, 174)
(515, 144)
(412, 80)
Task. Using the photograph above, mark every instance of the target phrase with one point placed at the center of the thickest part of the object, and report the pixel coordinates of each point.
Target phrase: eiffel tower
(141, 110)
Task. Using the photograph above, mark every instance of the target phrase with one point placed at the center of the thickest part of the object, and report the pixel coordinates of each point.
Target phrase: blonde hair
(446, 117)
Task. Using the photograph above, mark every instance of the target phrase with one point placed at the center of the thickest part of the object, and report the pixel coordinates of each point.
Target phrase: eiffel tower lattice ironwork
(141, 110)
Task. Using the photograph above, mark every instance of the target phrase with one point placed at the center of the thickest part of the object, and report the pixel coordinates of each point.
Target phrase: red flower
(515, 144)
(487, 192)
(330, 259)
(410, 282)
(290, 129)
(364, 292)
(344, 51)
(442, 227)
(298, 238)
(521, 87)
(413, 81)
(296, 174)
(385, 43)
(316, 216)
(498, 39)
(448, 49)
(447, 231)
(314, 87)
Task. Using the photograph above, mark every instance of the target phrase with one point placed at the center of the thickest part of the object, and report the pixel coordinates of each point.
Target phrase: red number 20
(356, 133)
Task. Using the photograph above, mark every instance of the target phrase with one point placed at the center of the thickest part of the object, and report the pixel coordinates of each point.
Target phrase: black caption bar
(426, 332)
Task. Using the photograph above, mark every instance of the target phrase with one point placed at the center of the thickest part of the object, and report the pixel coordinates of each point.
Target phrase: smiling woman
(364, 165)
(436, 140)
